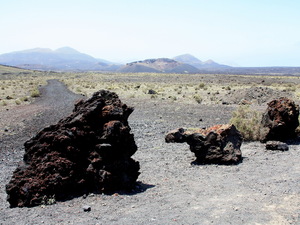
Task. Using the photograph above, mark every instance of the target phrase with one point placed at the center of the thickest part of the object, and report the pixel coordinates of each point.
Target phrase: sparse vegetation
(3, 103)
(35, 93)
(48, 200)
(184, 89)
(198, 98)
(24, 99)
(247, 121)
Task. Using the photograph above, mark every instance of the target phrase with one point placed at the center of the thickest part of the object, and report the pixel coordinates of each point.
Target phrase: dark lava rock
(152, 92)
(219, 144)
(176, 136)
(280, 120)
(277, 145)
(88, 151)
(86, 208)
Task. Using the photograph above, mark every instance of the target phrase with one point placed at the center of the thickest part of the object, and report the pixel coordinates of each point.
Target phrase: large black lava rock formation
(88, 151)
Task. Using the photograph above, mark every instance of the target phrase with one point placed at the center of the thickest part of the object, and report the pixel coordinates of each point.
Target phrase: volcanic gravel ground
(263, 189)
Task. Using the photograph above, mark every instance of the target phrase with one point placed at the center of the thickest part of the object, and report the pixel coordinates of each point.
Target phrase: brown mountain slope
(162, 65)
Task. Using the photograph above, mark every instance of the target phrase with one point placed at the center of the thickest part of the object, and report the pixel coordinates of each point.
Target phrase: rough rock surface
(219, 144)
(88, 151)
(280, 120)
(277, 145)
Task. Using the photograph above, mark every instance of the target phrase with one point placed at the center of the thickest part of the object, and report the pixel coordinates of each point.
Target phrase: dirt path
(264, 189)
(57, 101)
(19, 123)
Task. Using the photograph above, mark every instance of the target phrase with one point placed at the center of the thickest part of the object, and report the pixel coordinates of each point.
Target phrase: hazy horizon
(256, 33)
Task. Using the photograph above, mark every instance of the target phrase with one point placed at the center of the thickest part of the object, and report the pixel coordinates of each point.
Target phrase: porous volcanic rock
(280, 120)
(88, 151)
(219, 144)
(277, 145)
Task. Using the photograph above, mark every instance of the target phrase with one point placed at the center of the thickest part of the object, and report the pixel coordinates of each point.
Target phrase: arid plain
(263, 189)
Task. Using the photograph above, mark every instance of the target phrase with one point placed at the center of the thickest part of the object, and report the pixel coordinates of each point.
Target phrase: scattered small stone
(277, 145)
(86, 208)
(152, 92)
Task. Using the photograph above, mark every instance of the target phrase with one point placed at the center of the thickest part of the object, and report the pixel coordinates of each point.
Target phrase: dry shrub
(198, 99)
(35, 93)
(248, 122)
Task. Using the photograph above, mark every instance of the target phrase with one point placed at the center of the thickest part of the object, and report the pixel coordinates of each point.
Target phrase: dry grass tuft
(248, 122)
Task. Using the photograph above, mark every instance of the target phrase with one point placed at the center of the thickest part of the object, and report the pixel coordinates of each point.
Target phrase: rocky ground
(263, 189)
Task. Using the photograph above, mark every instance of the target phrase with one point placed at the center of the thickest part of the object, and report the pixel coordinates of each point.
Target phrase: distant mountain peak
(154, 61)
(210, 61)
(185, 58)
(159, 65)
(62, 59)
(67, 50)
(192, 60)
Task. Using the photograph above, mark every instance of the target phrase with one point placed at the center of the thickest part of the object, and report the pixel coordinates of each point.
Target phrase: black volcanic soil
(263, 189)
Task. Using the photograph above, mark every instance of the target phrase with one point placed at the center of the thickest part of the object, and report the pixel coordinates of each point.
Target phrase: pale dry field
(22, 87)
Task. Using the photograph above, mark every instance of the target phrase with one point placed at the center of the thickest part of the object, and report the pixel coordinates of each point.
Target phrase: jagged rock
(219, 144)
(277, 145)
(88, 151)
(176, 136)
(280, 120)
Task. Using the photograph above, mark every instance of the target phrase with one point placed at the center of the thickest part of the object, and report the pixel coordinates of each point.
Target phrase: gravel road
(263, 189)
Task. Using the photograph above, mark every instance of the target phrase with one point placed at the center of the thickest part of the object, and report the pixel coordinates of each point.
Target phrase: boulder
(176, 136)
(277, 145)
(280, 120)
(219, 144)
(88, 151)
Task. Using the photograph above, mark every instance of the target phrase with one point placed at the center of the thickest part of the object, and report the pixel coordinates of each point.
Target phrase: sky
(233, 32)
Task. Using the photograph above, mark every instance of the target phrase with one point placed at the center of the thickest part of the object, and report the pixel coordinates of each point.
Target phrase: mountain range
(62, 59)
(192, 60)
(69, 59)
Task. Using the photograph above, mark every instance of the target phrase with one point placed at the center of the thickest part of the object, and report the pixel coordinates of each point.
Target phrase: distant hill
(192, 60)
(7, 70)
(160, 65)
(62, 59)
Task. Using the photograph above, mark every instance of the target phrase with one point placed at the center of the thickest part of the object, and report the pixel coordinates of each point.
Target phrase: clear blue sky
(241, 32)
